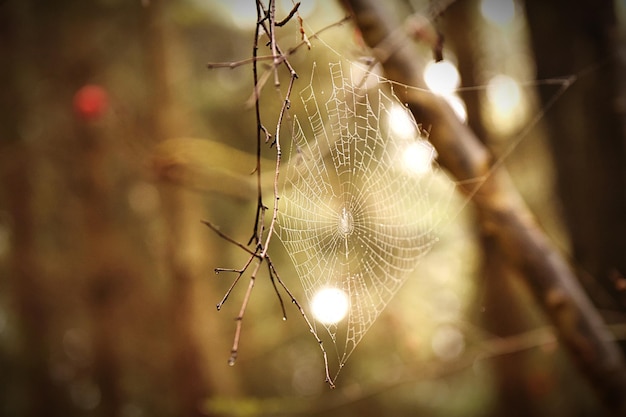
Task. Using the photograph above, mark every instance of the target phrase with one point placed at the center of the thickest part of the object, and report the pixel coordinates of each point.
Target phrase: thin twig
(284, 108)
(289, 16)
(220, 270)
(235, 64)
(246, 298)
(254, 97)
(240, 273)
(281, 56)
(227, 238)
(261, 237)
(295, 302)
(278, 59)
(268, 135)
(280, 298)
(256, 237)
(272, 35)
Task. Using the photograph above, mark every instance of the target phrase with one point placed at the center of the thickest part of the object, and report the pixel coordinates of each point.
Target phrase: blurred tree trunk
(502, 306)
(505, 217)
(28, 374)
(181, 211)
(102, 291)
(587, 131)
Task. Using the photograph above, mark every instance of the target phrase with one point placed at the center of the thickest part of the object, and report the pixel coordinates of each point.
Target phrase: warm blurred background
(116, 141)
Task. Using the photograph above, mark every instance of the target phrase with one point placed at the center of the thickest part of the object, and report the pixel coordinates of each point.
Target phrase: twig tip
(232, 359)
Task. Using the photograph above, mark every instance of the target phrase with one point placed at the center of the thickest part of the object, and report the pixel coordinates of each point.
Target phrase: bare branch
(289, 16)
(278, 160)
(257, 110)
(280, 57)
(246, 298)
(280, 298)
(329, 379)
(240, 273)
(261, 236)
(235, 64)
(272, 35)
(227, 238)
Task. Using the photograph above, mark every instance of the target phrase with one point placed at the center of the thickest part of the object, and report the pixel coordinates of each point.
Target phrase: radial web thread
(362, 199)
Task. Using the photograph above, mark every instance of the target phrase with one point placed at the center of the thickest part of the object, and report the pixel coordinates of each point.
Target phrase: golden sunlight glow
(448, 342)
(500, 12)
(330, 305)
(418, 157)
(506, 104)
(504, 93)
(401, 123)
(441, 77)
(458, 105)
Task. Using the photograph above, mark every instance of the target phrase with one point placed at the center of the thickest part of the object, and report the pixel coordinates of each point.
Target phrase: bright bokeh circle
(330, 305)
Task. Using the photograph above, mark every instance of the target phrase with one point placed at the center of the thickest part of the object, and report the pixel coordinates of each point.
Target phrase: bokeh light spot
(330, 305)
(448, 342)
(418, 157)
(401, 123)
(504, 93)
(500, 12)
(441, 77)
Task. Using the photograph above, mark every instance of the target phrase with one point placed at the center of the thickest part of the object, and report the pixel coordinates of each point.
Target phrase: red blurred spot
(90, 102)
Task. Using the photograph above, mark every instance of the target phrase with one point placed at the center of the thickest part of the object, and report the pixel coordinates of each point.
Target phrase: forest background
(107, 290)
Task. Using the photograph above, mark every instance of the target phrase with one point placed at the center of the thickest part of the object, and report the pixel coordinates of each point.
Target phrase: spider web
(362, 199)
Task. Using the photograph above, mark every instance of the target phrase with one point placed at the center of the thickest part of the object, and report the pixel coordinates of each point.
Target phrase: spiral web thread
(354, 215)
